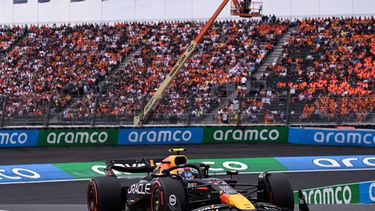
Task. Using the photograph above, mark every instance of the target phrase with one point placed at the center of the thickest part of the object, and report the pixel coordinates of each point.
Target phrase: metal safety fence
(105, 110)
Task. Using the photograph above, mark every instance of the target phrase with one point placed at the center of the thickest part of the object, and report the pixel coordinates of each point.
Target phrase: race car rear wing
(133, 166)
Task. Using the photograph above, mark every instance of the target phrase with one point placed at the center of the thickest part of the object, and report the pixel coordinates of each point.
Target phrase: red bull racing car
(174, 184)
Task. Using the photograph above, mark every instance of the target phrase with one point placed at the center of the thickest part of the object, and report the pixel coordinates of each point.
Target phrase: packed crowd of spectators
(9, 35)
(326, 70)
(51, 64)
(328, 66)
(229, 52)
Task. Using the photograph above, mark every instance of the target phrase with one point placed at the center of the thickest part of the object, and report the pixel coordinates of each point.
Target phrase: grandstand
(245, 71)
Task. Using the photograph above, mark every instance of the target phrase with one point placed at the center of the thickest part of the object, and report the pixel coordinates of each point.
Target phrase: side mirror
(232, 172)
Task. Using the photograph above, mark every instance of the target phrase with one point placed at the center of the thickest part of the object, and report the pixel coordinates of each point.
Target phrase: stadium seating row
(326, 70)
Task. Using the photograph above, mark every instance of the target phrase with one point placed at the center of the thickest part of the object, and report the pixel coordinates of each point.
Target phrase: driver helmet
(186, 173)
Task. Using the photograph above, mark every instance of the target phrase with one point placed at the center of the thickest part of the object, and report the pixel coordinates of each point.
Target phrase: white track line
(133, 177)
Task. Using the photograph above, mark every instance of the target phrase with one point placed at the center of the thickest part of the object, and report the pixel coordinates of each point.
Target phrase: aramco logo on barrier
(154, 136)
(344, 138)
(160, 136)
(245, 135)
(78, 137)
(330, 195)
(249, 135)
(13, 138)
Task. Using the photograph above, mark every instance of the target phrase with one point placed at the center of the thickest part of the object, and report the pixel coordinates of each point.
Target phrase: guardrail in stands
(268, 108)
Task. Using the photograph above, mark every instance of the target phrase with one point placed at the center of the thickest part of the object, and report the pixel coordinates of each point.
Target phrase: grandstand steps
(274, 55)
(104, 85)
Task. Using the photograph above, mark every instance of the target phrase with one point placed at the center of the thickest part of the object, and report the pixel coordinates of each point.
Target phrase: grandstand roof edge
(184, 19)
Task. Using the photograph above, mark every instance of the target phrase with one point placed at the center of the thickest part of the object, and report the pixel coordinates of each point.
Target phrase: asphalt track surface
(70, 196)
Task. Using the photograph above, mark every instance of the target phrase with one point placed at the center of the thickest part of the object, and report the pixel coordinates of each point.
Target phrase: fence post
(339, 116)
(48, 113)
(93, 121)
(143, 102)
(190, 110)
(5, 101)
(287, 107)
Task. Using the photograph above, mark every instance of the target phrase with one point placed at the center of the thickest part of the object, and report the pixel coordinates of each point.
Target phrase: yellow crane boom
(158, 95)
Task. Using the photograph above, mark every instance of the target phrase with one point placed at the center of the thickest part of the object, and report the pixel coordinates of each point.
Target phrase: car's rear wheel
(168, 194)
(104, 194)
(280, 191)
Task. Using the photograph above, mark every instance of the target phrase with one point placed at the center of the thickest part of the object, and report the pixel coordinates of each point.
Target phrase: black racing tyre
(281, 192)
(104, 194)
(168, 194)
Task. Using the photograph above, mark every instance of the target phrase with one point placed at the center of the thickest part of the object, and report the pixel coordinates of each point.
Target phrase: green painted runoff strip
(219, 166)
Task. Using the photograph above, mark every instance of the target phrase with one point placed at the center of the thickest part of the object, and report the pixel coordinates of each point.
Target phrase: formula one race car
(173, 184)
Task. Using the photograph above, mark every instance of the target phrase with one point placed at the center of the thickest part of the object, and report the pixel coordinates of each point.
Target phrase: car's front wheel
(104, 194)
(280, 191)
(168, 194)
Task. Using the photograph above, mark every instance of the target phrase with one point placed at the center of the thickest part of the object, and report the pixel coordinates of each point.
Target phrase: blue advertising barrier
(367, 192)
(160, 136)
(18, 138)
(332, 137)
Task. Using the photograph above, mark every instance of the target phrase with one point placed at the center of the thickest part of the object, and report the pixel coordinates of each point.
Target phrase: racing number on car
(18, 174)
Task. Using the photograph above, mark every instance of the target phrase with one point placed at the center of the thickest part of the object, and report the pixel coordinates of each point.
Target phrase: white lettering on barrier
(160, 136)
(338, 190)
(371, 192)
(365, 139)
(342, 138)
(79, 137)
(246, 135)
(274, 134)
(329, 195)
(175, 137)
(347, 192)
(13, 138)
(318, 196)
(20, 173)
(262, 137)
(319, 137)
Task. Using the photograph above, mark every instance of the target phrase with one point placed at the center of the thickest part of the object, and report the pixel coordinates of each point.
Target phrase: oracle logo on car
(160, 136)
(140, 188)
